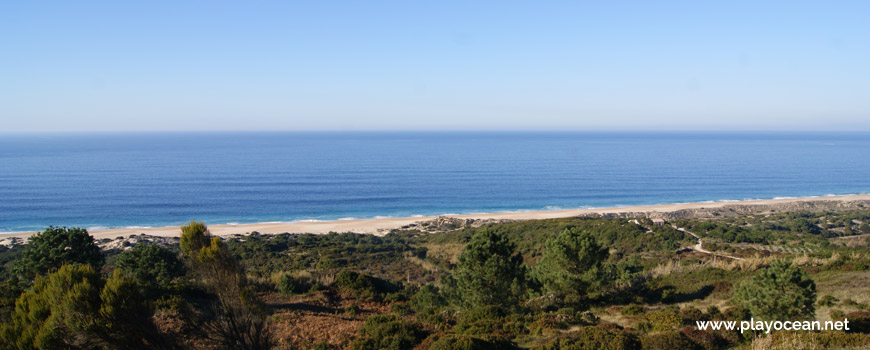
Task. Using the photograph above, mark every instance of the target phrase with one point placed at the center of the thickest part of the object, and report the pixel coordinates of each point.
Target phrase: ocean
(114, 180)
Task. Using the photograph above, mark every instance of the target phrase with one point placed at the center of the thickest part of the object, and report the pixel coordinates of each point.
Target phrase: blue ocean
(112, 180)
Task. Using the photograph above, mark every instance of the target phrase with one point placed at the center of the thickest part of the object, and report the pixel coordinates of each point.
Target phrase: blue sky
(434, 65)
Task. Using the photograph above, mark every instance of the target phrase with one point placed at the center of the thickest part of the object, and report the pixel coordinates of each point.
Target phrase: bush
(362, 286)
(56, 246)
(660, 320)
(427, 303)
(387, 332)
(351, 311)
(632, 310)
(668, 340)
(289, 285)
(150, 264)
(778, 292)
(859, 321)
(593, 338)
(464, 342)
(828, 300)
(74, 307)
(400, 309)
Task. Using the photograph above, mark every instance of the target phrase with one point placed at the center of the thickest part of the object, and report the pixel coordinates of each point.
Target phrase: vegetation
(54, 247)
(489, 272)
(574, 283)
(778, 292)
(570, 262)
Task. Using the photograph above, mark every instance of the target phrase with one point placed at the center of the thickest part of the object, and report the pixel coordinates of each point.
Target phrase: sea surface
(158, 179)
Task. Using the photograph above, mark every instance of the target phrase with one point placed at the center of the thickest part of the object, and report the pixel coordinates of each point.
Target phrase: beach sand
(375, 226)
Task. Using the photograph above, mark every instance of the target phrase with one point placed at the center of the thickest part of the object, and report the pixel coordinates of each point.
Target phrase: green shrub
(663, 320)
(362, 286)
(289, 285)
(828, 300)
(387, 332)
(400, 309)
(48, 250)
(632, 310)
(593, 338)
(464, 342)
(668, 340)
(351, 311)
(150, 264)
(690, 314)
(428, 303)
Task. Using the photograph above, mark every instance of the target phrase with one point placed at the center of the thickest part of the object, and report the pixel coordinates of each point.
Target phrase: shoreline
(383, 225)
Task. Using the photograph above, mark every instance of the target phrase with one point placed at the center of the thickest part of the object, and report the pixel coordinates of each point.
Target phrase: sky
(434, 65)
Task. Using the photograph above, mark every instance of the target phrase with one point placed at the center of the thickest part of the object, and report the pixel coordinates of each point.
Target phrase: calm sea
(159, 179)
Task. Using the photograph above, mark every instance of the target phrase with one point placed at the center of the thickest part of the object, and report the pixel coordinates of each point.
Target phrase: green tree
(150, 264)
(778, 292)
(240, 322)
(74, 308)
(56, 246)
(489, 273)
(570, 262)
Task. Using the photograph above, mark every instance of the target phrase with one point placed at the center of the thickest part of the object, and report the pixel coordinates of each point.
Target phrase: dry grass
(447, 252)
(786, 341)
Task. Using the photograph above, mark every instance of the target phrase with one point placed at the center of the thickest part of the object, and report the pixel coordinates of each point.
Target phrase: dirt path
(699, 246)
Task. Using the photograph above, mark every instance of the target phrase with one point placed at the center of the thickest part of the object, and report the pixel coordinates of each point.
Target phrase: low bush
(387, 332)
(593, 338)
(632, 310)
(464, 342)
(668, 340)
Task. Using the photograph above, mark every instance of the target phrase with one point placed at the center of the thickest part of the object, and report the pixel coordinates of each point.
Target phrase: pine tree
(489, 273)
(779, 292)
(570, 263)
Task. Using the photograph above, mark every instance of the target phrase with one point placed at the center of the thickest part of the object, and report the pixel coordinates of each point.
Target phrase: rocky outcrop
(444, 224)
(127, 243)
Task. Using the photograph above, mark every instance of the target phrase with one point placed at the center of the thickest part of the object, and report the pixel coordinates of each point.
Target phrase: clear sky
(442, 65)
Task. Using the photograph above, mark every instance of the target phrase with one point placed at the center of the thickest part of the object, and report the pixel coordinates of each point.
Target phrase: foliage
(150, 264)
(362, 285)
(668, 340)
(489, 272)
(570, 262)
(593, 338)
(387, 332)
(427, 303)
(240, 322)
(289, 285)
(465, 342)
(632, 310)
(660, 320)
(778, 292)
(74, 308)
(56, 246)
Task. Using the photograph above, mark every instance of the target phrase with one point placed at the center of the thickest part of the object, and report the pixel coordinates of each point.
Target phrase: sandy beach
(375, 226)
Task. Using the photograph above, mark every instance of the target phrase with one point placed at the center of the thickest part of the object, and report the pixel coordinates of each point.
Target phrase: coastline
(383, 225)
